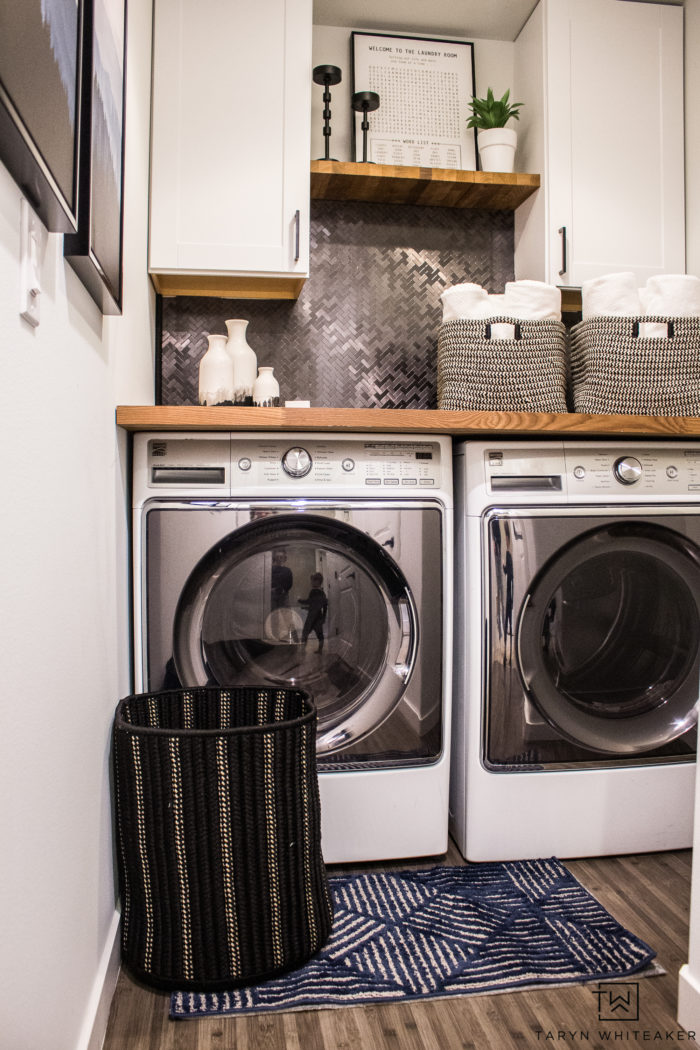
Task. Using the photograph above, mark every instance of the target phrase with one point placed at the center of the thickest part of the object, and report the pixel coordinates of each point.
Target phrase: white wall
(63, 608)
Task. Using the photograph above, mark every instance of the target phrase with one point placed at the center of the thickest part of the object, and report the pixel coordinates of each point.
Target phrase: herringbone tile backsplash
(363, 332)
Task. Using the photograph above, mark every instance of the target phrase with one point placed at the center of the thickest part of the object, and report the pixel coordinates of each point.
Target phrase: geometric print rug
(416, 935)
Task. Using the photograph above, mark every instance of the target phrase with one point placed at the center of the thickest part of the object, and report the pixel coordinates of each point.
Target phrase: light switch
(31, 247)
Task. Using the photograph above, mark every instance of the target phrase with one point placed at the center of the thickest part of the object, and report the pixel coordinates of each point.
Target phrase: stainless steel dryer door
(313, 598)
(605, 616)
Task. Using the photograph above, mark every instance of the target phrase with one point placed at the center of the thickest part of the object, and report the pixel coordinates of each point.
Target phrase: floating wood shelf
(405, 421)
(438, 187)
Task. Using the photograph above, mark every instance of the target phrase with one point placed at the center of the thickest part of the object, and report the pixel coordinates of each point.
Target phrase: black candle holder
(328, 76)
(365, 102)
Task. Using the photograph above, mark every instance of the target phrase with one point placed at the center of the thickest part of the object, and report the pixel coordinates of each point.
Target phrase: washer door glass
(608, 638)
(304, 601)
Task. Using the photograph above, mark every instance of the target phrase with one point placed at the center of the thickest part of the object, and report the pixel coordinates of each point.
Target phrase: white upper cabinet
(230, 142)
(602, 82)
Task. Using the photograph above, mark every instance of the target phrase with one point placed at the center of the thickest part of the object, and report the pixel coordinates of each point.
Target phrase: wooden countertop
(404, 421)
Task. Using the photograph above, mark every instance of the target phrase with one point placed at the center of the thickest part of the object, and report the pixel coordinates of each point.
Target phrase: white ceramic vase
(244, 361)
(215, 373)
(266, 389)
(497, 148)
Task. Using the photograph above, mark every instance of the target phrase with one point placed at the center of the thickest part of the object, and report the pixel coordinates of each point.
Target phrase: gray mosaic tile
(363, 333)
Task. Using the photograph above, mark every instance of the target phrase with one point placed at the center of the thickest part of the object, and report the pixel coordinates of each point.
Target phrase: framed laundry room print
(95, 250)
(40, 104)
(425, 88)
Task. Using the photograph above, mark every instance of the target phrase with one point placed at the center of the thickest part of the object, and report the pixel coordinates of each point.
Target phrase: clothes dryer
(577, 641)
(320, 562)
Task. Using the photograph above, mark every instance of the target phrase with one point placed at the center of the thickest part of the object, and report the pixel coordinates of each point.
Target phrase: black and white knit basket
(218, 835)
(527, 373)
(616, 370)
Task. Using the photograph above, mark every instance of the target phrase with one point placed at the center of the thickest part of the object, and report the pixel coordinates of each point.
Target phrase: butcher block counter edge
(403, 421)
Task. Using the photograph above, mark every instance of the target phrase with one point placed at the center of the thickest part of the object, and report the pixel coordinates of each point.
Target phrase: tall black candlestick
(328, 76)
(365, 102)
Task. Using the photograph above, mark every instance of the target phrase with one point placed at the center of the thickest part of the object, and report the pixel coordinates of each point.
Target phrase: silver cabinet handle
(297, 225)
(562, 231)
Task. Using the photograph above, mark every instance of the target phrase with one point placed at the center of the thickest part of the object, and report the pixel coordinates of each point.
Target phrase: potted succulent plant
(496, 142)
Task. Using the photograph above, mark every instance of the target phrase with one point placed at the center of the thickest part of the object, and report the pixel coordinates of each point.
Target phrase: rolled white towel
(533, 301)
(494, 305)
(612, 294)
(672, 295)
(462, 302)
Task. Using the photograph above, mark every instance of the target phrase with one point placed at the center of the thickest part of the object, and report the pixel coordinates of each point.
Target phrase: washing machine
(577, 641)
(321, 562)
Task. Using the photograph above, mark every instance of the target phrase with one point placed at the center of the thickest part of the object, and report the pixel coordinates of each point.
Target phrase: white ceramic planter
(497, 148)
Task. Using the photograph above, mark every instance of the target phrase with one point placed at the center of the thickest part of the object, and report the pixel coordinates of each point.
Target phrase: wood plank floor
(647, 893)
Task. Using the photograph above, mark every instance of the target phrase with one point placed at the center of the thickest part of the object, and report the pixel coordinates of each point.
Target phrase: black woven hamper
(218, 830)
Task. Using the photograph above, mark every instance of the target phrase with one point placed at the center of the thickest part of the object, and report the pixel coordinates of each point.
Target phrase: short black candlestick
(365, 102)
(328, 76)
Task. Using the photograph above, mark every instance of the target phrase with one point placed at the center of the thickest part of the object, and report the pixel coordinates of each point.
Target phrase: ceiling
(485, 19)
(468, 19)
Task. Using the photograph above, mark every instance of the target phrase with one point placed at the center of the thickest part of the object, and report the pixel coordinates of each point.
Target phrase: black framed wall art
(425, 87)
(40, 104)
(95, 250)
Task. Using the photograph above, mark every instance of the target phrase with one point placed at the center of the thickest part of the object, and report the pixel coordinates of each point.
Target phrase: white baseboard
(94, 1028)
(689, 1002)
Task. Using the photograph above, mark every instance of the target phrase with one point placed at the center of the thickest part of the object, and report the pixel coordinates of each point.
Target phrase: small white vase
(215, 373)
(497, 148)
(266, 389)
(244, 362)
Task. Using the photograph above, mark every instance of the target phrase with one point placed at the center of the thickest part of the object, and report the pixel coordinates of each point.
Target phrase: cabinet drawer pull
(562, 231)
(297, 224)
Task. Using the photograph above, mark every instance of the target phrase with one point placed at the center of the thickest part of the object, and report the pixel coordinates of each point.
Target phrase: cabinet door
(230, 141)
(612, 147)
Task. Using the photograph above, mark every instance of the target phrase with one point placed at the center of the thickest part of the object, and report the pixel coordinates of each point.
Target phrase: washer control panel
(385, 465)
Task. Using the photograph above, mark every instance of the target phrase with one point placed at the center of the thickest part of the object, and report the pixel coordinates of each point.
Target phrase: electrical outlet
(31, 245)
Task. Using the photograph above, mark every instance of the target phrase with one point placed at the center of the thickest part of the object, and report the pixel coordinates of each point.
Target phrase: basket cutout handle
(639, 333)
(517, 333)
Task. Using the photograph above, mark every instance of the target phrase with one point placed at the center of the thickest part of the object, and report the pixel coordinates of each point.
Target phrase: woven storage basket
(523, 374)
(615, 370)
(218, 835)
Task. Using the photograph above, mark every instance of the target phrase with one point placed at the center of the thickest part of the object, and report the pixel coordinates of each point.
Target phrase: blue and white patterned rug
(413, 935)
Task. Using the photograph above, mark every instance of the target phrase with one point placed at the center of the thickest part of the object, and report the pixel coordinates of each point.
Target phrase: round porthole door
(304, 601)
(608, 638)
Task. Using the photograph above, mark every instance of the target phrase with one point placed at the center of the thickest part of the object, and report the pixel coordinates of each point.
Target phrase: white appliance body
(577, 634)
(321, 562)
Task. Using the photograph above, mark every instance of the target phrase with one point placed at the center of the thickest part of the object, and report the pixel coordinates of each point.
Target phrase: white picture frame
(425, 87)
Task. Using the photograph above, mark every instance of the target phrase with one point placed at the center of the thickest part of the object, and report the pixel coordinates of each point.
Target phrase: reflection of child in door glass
(316, 604)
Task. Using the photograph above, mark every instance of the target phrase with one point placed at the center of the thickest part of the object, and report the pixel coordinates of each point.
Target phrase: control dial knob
(627, 470)
(296, 462)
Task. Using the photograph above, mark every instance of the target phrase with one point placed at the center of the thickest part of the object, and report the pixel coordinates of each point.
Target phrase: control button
(373, 481)
(426, 481)
(627, 470)
(409, 481)
(671, 472)
(579, 472)
(296, 462)
(348, 464)
(244, 463)
(391, 481)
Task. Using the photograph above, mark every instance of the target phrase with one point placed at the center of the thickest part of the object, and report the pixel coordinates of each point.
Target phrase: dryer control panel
(560, 472)
(633, 471)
